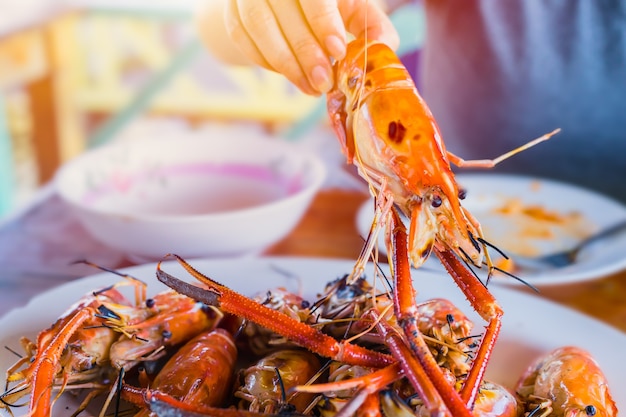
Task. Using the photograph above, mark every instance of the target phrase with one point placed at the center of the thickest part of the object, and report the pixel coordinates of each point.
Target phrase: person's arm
(296, 38)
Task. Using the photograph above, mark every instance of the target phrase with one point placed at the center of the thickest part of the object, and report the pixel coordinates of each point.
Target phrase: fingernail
(336, 46)
(321, 79)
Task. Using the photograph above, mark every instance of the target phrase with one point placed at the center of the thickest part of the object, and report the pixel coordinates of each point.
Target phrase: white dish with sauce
(530, 217)
(193, 195)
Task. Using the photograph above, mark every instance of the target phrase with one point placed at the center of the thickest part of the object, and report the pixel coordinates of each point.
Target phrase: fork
(568, 256)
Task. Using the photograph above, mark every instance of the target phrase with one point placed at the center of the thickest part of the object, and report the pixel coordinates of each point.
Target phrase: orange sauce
(531, 229)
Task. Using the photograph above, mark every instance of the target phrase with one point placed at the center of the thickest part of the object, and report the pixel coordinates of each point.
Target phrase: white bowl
(192, 195)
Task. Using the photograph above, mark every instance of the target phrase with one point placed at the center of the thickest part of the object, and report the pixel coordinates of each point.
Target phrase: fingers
(235, 17)
(325, 22)
(276, 35)
(298, 38)
(305, 47)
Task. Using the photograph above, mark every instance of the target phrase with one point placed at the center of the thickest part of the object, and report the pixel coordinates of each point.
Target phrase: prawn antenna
(384, 275)
(526, 283)
(463, 339)
(13, 352)
(118, 396)
(469, 266)
(283, 393)
(535, 411)
(492, 246)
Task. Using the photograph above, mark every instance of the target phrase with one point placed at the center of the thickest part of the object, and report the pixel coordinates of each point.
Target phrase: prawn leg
(376, 381)
(485, 304)
(406, 312)
(490, 163)
(382, 206)
(46, 364)
(300, 333)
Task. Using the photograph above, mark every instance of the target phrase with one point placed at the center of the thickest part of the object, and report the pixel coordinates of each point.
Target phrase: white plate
(526, 332)
(563, 214)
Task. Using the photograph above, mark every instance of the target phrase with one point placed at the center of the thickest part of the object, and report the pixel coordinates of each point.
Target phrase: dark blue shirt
(498, 73)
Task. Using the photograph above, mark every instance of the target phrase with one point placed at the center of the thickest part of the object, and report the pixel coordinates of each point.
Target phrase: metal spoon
(569, 256)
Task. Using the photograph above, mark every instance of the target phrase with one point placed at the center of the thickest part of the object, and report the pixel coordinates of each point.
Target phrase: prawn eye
(590, 410)
(436, 202)
(352, 81)
(462, 194)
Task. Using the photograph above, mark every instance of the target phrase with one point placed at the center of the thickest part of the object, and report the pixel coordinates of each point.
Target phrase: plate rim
(550, 278)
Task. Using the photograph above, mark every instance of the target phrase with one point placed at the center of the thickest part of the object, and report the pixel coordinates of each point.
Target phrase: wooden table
(328, 230)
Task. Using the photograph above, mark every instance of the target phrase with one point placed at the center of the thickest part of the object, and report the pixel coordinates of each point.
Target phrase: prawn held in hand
(387, 130)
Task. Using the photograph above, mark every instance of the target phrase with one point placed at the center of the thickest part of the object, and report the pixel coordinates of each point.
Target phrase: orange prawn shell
(201, 371)
(387, 130)
(572, 380)
(408, 146)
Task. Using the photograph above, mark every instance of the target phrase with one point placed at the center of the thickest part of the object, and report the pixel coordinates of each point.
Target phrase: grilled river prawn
(94, 339)
(199, 373)
(388, 132)
(566, 382)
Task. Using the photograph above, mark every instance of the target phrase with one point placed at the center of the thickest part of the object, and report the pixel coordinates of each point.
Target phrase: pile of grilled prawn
(172, 352)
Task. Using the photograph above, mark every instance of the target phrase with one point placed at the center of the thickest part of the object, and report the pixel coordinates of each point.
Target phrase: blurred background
(75, 74)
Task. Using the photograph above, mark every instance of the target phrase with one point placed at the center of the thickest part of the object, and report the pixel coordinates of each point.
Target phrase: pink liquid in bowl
(191, 189)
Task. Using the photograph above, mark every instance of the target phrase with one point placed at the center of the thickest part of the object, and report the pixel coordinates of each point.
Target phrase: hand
(298, 38)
